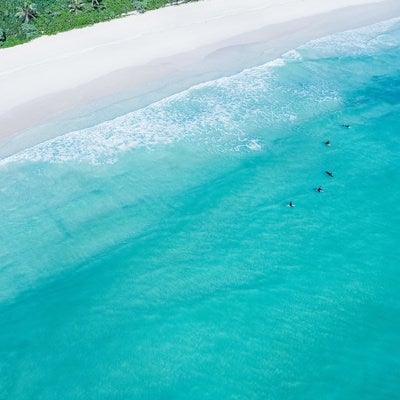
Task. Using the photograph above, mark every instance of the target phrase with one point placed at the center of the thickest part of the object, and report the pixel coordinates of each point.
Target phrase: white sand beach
(43, 78)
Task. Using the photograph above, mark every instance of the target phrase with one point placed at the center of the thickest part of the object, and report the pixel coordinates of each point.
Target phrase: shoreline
(59, 93)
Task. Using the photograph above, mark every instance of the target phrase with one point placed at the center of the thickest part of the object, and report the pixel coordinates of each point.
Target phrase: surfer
(319, 189)
(347, 126)
(329, 173)
(291, 204)
(328, 143)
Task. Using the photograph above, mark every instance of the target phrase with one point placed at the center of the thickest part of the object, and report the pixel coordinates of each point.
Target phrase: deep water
(154, 256)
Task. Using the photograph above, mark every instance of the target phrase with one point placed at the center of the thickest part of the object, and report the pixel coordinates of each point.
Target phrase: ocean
(154, 256)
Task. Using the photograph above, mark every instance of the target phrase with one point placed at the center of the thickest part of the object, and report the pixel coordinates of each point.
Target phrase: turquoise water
(154, 256)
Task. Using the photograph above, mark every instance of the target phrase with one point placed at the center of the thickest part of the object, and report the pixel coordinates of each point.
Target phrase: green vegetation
(23, 20)
(2, 36)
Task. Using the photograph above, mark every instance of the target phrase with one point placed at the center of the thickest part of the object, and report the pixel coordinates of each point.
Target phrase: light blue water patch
(154, 256)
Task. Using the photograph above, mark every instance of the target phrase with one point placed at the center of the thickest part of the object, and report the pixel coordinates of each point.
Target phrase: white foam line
(147, 126)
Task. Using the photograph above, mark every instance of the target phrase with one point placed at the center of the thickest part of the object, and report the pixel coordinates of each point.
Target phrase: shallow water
(154, 256)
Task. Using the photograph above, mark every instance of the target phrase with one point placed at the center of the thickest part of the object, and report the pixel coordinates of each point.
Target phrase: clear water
(154, 256)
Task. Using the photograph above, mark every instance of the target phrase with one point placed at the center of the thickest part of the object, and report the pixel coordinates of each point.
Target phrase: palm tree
(27, 11)
(139, 6)
(95, 3)
(75, 6)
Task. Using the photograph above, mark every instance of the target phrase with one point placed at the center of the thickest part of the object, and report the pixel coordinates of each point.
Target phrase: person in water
(329, 173)
(291, 204)
(319, 189)
(346, 126)
(328, 143)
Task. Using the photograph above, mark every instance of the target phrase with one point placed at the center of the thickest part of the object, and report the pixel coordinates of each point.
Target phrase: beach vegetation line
(24, 20)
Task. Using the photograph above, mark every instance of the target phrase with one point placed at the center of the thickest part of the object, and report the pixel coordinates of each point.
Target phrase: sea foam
(214, 113)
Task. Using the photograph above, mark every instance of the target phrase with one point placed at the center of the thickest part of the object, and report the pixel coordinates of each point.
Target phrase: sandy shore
(161, 52)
